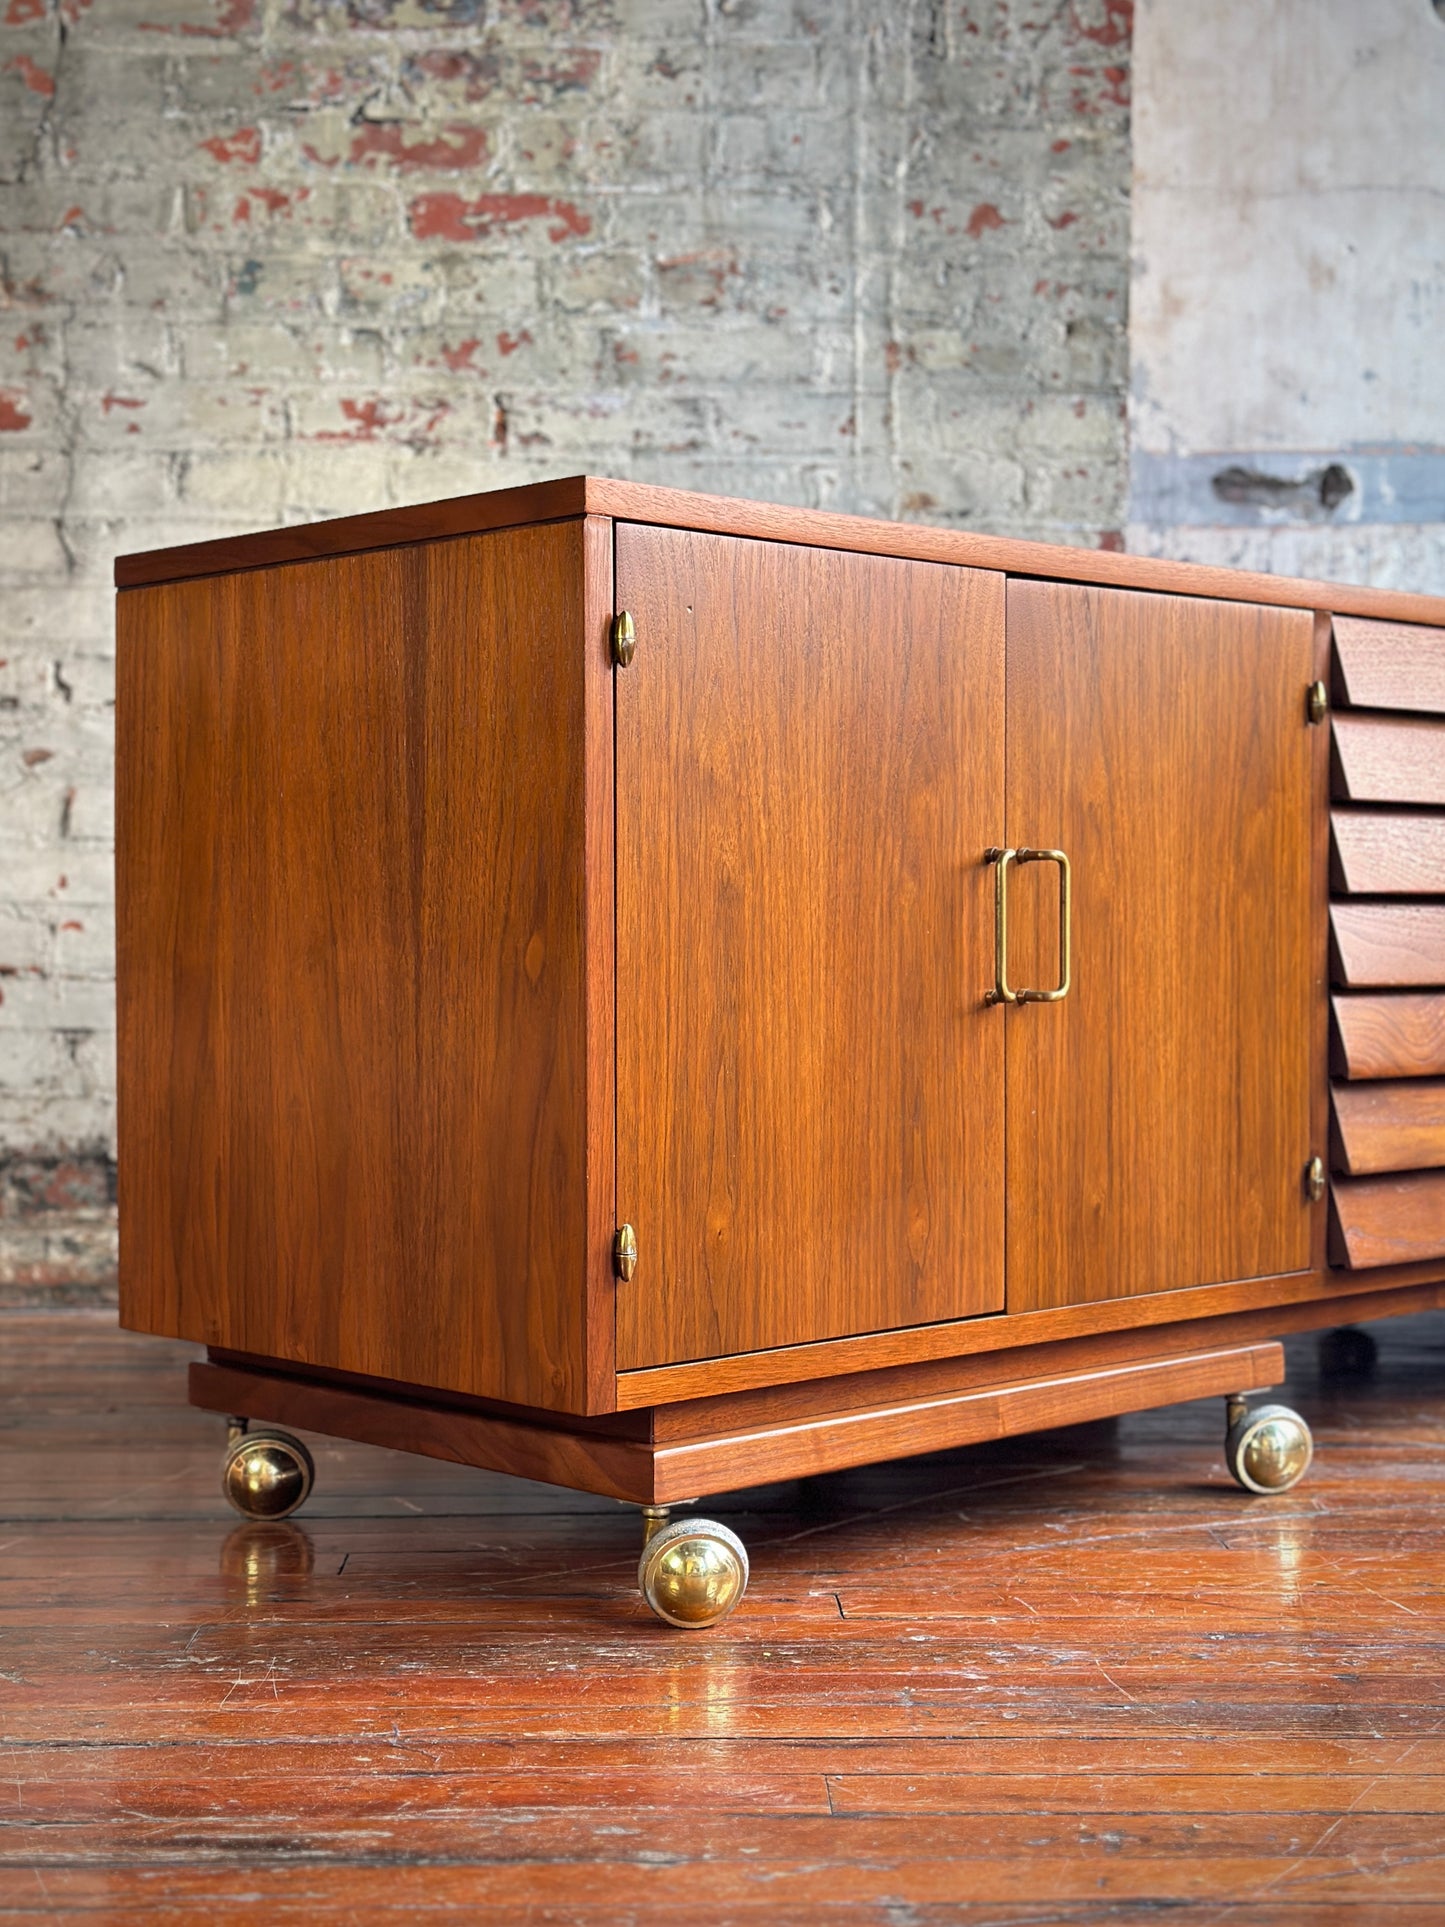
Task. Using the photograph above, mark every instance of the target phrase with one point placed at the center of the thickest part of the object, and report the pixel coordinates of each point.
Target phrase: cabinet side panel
(351, 957)
(1161, 1117)
(601, 967)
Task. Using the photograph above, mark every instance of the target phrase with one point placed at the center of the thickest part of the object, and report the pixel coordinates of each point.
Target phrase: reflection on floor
(1074, 1677)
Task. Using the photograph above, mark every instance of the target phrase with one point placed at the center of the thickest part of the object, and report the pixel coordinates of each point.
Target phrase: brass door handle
(1066, 919)
(1002, 992)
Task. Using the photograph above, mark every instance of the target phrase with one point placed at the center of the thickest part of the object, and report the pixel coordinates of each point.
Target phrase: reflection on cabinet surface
(810, 764)
(1159, 1117)
(606, 971)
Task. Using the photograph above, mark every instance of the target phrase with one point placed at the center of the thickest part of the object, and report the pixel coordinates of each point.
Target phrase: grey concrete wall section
(1288, 302)
(263, 260)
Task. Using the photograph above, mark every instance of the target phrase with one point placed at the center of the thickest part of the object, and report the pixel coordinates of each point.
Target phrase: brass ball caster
(693, 1572)
(1268, 1449)
(266, 1475)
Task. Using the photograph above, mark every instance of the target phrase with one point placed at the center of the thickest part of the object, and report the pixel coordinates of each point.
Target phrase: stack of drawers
(1387, 925)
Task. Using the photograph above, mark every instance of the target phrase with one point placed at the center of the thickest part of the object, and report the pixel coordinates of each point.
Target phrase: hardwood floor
(1075, 1677)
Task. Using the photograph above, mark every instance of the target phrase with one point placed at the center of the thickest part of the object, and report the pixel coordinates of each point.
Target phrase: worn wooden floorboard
(1072, 1678)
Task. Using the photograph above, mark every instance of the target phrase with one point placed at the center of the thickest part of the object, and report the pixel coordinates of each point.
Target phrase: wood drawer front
(1387, 1137)
(1388, 1221)
(1389, 1127)
(1381, 759)
(1384, 853)
(1390, 665)
(1383, 945)
(1402, 1036)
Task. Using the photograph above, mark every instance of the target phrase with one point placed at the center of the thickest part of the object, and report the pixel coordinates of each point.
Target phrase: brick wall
(265, 260)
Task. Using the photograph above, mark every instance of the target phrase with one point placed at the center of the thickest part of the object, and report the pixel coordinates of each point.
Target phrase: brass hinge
(1315, 1179)
(624, 1252)
(624, 638)
(1317, 702)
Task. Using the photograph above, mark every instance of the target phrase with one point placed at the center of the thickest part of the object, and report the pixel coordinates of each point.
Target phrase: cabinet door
(1159, 1117)
(809, 1087)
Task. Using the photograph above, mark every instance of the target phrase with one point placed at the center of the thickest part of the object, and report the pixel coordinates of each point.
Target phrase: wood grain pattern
(618, 1468)
(1365, 1298)
(1387, 945)
(1076, 1674)
(1389, 665)
(353, 932)
(1288, 1301)
(762, 521)
(804, 1446)
(1160, 1117)
(611, 1424)
(812, 1447)
(1388, 1220)
(1387, 853)
(809, 771)
(599, 1332)
(1389, 1127)
(460, 515)
(1319, 1045)
(1400, 1036)
(1380, 759)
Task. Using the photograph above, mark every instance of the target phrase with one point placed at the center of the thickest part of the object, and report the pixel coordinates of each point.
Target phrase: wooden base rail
(661, 1474)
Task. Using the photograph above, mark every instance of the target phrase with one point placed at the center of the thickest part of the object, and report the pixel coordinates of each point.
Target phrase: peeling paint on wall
(262, 264)
(1288, 297)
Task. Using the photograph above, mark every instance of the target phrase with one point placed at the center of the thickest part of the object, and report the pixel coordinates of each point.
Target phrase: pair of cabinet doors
(824, 1126)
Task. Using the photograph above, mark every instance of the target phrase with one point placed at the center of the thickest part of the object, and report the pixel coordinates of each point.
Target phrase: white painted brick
(90, 679)
(40, 1006)
(262, 479)
(31, 548)
(31, 801)
(27, 688)
(46, 1116)
(132, 481)
(84, 944)
(57, 875)
(91, 815)
(33, 1061)
(33, 481)
(40, 614)
(27, 940)
(685, 254)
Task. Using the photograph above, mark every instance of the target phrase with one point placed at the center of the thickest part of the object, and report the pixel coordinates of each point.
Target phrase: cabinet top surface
(577, 495)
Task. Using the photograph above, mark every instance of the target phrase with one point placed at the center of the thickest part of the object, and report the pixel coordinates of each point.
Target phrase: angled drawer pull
(1394, 1036)
(1389, 1126)
(1388, 1221)
(1387, 759)
(1388, 853)
(1388, 945)
(1391, 665)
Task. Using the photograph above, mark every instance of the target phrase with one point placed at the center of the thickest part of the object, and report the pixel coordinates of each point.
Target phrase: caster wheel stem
(654, 1518)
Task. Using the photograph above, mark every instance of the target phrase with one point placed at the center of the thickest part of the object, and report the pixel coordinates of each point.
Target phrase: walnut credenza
(657, 993)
